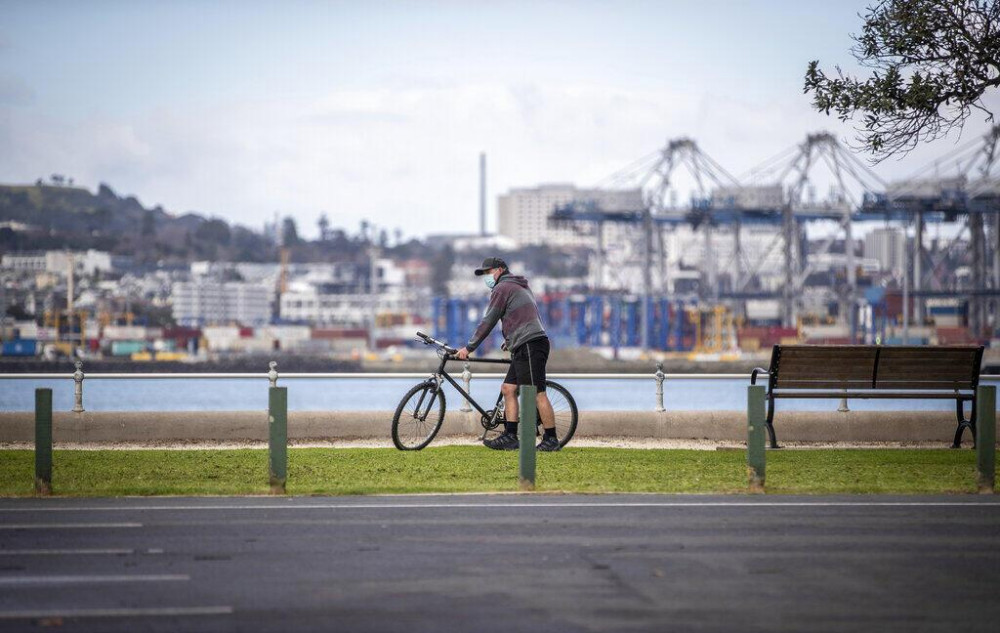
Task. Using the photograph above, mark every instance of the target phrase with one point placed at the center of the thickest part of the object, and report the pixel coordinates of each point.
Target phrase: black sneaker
(503, 442)
(548, 444)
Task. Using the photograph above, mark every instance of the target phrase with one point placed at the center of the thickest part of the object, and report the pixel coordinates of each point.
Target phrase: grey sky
(379, 109)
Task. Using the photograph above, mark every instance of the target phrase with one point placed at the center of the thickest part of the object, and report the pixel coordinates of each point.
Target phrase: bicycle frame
(441, 373)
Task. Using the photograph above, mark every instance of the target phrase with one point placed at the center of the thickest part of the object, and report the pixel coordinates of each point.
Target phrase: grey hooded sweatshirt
(512, 303)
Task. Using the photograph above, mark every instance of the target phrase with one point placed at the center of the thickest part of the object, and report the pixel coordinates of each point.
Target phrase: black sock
(510, 427)
(550, 432)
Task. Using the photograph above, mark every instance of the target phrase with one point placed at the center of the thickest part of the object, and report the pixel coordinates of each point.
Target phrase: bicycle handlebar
(431, 341)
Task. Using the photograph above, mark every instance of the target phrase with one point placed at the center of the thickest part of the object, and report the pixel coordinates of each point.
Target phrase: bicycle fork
(422, 416)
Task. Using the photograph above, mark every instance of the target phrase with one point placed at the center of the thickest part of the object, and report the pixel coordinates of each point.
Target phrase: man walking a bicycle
(513, 305)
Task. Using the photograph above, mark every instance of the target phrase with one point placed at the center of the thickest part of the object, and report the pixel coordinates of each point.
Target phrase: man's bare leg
(510, 409)
(545, 411)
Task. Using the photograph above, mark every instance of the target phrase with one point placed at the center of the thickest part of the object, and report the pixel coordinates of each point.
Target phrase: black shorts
(527, 364)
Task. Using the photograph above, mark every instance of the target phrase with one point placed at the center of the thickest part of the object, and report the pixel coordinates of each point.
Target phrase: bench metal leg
(964, 424)
(769, 422)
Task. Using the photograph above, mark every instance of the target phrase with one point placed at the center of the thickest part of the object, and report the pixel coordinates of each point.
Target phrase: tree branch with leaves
(932, 63)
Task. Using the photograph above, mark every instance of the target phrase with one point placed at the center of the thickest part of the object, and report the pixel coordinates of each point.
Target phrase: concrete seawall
(722, 426)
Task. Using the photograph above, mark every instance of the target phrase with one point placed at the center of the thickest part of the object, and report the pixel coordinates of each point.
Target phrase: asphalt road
(501, 563)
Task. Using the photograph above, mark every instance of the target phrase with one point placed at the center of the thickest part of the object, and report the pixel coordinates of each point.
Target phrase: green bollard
(277, 447)
(986, 438)
(43, 441)
(756, 416)
(526, 437)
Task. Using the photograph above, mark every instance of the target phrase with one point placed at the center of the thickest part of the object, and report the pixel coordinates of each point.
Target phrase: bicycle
(420, 413)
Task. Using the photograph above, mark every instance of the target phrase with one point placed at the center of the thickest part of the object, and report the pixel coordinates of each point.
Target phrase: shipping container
(20, 347)
(127, 348)
(124, 332)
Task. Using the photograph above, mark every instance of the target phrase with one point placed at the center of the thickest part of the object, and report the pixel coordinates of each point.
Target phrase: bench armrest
(753, 374)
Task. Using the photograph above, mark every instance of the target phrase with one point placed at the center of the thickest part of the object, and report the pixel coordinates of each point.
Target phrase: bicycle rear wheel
(418, 417)
(564, 408)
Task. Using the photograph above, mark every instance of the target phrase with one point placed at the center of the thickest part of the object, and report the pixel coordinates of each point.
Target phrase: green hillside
(70, 217)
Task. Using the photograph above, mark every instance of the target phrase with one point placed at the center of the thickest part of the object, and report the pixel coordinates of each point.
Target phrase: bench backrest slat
(824, 366)
(875, 367)
(953, 367)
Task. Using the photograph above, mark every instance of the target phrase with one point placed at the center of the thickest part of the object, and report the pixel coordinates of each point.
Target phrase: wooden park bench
(875, 371)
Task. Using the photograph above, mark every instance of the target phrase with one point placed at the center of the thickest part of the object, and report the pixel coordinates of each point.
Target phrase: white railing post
(659, 387)
(467, 381)
(78, 388)
(272, 375)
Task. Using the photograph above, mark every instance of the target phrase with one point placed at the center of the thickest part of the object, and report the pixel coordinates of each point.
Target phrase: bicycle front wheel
(418, 417)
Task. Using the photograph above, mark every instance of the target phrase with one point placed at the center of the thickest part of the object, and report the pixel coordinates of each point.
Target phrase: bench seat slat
(926, 384)
(867, 395)
(824, 384)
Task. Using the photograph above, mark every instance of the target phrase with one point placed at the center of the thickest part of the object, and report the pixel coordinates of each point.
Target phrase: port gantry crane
(654, 174)
(780, 192)
(961, 188)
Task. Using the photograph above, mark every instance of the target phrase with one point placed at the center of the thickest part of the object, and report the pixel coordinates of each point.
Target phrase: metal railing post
(526, 436)
(659, 387)
(277, 445)
(43, 441)
(272, 375)
(756, 455)
(467, 381)
(986, 438)
(843, 405)
(78, 388)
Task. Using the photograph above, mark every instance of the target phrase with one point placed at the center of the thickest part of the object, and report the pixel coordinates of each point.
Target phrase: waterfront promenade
(501, 563)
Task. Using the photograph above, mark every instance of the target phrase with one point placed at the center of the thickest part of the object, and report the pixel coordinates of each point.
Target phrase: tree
(148, 223)
(931, 60)
(324, 227)
(214, 231)
(289, 232)
(441, 263)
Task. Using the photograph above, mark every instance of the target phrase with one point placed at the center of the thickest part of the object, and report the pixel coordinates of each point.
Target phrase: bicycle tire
(564, 407)
(423, 431)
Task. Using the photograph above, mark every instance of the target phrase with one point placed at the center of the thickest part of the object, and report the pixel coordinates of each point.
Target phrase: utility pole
(788, 291)
(918, 273)
(482, 194)
(70, 291)
(906, 287)
(852, 281)
(647, 274)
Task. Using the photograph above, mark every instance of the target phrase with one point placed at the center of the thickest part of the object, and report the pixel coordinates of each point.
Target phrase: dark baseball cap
(490, 263)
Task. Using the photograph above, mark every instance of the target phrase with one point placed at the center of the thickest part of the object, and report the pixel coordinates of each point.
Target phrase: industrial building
(197, 303)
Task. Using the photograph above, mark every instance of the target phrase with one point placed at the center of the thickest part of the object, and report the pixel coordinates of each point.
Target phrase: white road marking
(64, 552)
(501, 505)
(67, 526)
(14, 581)
(115, 613)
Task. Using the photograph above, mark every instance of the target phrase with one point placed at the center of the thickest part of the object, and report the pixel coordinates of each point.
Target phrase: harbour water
(363, 394)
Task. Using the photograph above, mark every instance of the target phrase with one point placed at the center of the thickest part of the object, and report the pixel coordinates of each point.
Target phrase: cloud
(15, 92)
(399, 157)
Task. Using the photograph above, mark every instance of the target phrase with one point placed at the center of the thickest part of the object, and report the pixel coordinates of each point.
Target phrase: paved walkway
(501, 563)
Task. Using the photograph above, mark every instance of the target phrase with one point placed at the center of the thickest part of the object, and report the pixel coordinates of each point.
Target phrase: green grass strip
(474, 469)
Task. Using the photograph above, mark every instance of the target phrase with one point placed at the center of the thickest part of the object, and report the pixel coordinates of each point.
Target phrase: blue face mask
(490, 281)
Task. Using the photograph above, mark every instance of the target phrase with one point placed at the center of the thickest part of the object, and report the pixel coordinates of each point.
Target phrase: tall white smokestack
(482, 193)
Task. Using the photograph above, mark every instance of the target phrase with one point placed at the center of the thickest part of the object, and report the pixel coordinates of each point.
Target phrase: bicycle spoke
(418, 417)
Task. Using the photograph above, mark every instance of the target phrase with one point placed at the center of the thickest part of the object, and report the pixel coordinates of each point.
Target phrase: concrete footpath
(251, 426)
(504, 563)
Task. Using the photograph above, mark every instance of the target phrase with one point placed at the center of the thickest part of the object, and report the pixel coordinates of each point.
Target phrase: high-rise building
(204, 302)
(523, 214)
(886, 246)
